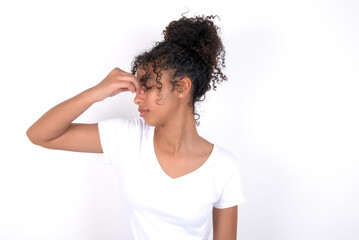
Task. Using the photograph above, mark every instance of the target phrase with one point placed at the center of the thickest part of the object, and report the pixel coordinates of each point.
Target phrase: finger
(118, 91)
(134, 80)
(131, 87)
(137, 84)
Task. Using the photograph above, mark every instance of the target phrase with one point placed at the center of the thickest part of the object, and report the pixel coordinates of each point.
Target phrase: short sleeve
(232, 190)
(118, 137)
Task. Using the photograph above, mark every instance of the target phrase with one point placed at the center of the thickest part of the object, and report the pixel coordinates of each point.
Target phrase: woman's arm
(55, 129)
(225, 223)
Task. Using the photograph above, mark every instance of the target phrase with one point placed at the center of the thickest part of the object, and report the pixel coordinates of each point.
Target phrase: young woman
(174, 183)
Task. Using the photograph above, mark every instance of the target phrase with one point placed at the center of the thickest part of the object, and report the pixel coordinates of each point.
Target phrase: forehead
(141, 72)
(146, 74)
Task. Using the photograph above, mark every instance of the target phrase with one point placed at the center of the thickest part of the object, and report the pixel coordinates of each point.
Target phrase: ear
(185, 87)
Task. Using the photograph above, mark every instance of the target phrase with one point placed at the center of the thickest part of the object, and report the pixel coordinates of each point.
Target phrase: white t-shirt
(156, 206)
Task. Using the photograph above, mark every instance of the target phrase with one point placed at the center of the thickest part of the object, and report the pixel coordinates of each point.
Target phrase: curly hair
(191, 48)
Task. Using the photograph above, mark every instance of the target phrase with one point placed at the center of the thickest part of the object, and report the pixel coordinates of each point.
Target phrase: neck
(178, 135)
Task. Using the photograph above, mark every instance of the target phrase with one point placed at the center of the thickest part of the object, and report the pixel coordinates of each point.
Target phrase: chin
(149, 122)
(152, 122)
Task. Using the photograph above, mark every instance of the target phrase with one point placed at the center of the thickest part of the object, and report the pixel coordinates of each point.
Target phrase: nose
(139, 97)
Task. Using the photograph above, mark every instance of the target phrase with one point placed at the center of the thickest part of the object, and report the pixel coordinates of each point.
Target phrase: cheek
(166, 103)
(168, 99)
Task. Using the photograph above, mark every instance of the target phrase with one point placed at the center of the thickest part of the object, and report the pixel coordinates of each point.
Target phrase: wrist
(90, 95)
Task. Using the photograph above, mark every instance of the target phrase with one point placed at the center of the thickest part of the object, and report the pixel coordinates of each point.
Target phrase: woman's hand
(116, 81)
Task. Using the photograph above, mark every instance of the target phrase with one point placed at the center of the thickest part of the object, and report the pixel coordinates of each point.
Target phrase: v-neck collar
(158, 166)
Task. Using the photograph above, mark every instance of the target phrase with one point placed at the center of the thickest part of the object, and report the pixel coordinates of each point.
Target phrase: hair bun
(199, 34)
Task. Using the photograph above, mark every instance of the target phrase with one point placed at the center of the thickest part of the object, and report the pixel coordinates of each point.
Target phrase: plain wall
(289, 112)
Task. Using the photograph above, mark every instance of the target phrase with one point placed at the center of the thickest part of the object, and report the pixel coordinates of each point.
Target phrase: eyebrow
(149, 84)
(147, 81)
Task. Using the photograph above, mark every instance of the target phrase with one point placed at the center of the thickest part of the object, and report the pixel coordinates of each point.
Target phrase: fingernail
(142, 92)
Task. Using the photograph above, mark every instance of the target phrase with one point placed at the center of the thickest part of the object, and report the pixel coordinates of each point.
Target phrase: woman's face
(156, 107)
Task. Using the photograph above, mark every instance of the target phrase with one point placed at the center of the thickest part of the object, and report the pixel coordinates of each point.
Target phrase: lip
(142, 112)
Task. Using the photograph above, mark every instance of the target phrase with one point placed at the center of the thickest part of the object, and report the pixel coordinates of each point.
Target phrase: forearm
(56, 121)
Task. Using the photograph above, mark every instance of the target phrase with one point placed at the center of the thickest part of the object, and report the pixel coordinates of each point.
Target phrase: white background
(289, 112)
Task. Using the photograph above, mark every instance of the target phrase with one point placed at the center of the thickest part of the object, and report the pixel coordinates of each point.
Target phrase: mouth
(143, 112)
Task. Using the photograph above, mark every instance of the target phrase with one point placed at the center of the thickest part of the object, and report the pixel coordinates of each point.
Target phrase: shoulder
(123, 129)
(136, 122)
(225, 163)
(113, 124)
(120, 137)
(225, 157)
